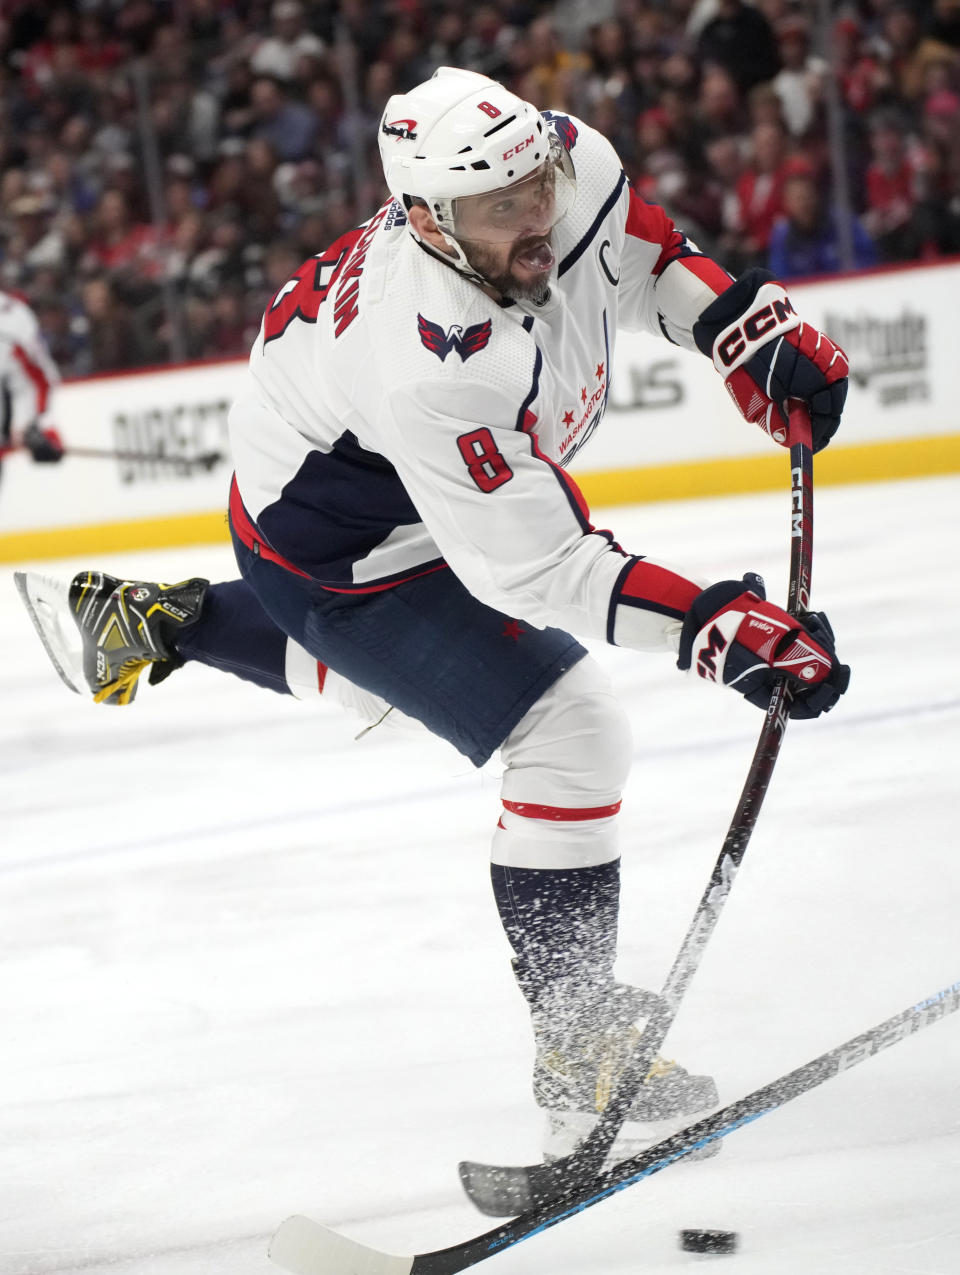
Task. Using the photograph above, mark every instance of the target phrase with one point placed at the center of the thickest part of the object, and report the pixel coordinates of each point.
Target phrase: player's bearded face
(506, 235)
(520, 270)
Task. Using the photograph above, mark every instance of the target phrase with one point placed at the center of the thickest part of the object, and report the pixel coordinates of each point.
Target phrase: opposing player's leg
(556, 878)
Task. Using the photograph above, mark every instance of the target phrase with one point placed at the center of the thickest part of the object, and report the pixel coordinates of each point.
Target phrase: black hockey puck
(709, 1241)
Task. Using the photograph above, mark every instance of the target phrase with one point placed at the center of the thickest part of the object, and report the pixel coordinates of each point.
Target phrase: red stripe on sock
(321, 676)
(562, 814)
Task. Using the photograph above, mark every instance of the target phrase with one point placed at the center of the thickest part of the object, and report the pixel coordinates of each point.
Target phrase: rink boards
(668, 430)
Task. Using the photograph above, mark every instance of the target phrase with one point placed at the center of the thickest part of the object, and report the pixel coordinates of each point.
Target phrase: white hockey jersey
(396, 420)
(28, 374)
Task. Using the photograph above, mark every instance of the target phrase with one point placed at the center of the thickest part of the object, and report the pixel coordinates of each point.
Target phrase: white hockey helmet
(461, 134)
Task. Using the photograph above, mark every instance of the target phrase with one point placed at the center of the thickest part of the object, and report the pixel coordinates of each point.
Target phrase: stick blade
(48, 606)
(305, 1247)
(500, 1190)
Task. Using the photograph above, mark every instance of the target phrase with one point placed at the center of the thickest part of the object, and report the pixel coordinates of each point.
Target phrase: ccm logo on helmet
(401, 128)
(520, 146)
(754, 326)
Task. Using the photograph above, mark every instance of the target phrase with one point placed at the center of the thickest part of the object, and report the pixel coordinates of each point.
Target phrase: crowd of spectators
(166, 164)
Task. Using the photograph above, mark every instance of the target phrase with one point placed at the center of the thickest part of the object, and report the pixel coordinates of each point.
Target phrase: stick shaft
(588, 1158)
(106, 453)
(307, 1248)
(717, 1125)
(153, 458)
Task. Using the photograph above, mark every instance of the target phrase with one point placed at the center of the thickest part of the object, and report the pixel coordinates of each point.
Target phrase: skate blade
(566, 1131)
(48, 606)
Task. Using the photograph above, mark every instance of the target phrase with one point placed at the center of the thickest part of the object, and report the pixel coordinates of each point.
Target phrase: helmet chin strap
(457, 260)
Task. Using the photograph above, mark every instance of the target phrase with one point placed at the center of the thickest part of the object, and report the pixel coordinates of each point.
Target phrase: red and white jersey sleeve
(26, 368)
(668, 296)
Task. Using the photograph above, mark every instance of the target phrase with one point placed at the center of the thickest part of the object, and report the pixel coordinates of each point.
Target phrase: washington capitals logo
(564, 128)
(400, 129)
(465, 341)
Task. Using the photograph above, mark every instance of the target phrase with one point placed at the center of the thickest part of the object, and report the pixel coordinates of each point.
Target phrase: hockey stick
(502, 1190)
(204, 460)
(307, 1248)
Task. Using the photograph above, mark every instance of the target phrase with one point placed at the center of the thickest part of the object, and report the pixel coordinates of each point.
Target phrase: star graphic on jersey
(599, 372)
(583, 394)
(568, 418)
(466, 341)
(513, 630)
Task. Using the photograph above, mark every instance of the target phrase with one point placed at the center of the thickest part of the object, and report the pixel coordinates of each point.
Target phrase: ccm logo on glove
(767, 356)
(732, 635)
(733, 346)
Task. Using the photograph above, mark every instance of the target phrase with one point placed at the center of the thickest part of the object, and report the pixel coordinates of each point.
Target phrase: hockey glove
(44, 445)
(732, 635)
(767, 355)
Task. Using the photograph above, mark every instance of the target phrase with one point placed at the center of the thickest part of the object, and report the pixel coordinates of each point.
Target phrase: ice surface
(249, 967)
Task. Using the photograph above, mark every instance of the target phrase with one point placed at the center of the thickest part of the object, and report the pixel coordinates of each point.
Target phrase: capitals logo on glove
(732, 635)
(767, 355)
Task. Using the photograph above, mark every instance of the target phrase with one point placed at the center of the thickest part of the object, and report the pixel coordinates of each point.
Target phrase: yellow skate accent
(659, 1068)
(611, 1067)
(124, 685)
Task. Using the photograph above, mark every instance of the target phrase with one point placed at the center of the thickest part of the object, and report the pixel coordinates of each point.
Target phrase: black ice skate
(126, 625)
(583, 1044)
(101, 633)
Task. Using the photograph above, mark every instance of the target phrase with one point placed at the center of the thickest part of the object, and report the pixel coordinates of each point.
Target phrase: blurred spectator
(264, 125)
(937, 213)
(861, 75)
(231, 327)
(941, 128)
(892, 190)
(279, 53)
(445, 39)
(287, 126)
(70, 189)
(185, 118)
(760, 187)
(799, 82)
(551, 69)
(766, 107)
(909, 52)
(206, 25)
(943, 22)
(720, 105)
(221, 258)
(659, 164)
(258, 198)
(119, 244)
(34, 242)
(806, 239)
(725, 165)
(62, 330)
(741, 40)
(114, 338)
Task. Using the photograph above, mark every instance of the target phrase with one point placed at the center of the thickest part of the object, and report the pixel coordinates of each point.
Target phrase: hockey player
(407, 534)
(28, 376)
